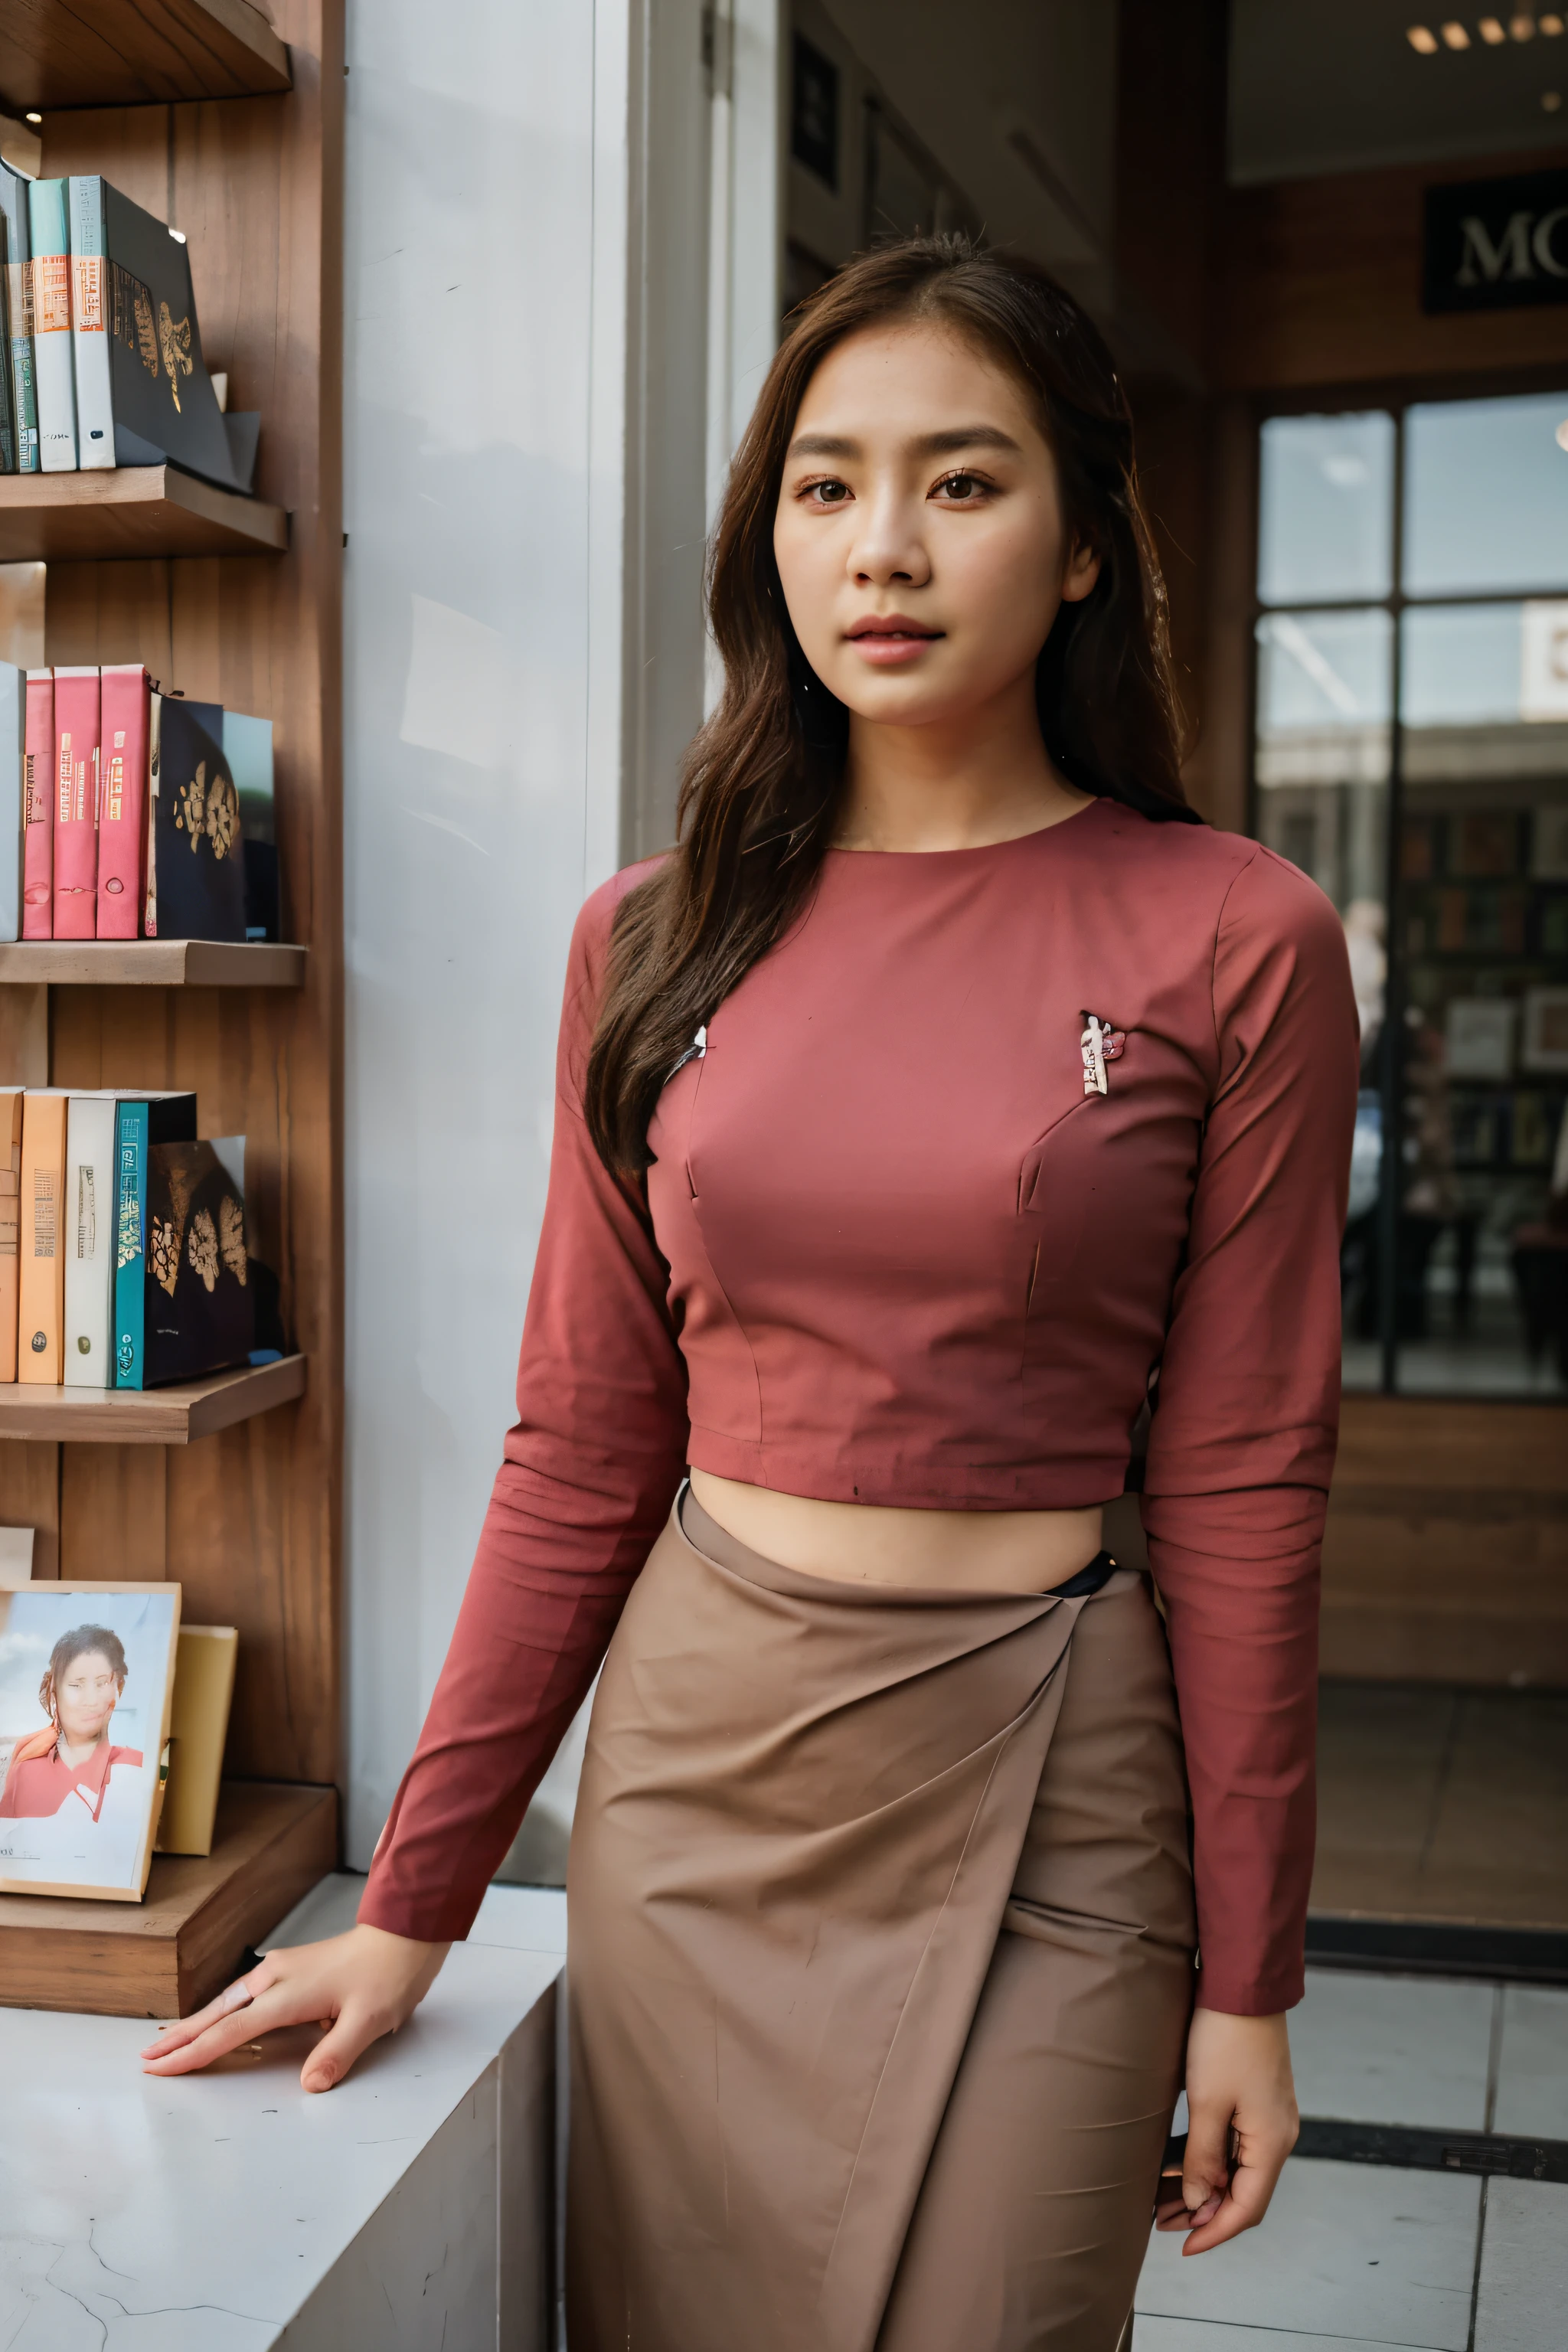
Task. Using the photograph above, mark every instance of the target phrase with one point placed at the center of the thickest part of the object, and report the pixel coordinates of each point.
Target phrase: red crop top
(897, 1244)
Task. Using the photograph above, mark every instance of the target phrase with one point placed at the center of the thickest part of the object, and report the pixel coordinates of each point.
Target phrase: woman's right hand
(360, 1986)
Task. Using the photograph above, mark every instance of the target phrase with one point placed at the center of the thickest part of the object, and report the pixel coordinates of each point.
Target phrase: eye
(961, 488)
(828, 492)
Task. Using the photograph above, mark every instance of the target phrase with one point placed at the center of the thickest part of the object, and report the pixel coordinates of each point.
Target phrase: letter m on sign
(1483, 263)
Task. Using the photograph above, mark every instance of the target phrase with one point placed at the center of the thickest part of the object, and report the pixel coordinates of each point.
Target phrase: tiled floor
(1443, 1804)
(1354, 2256)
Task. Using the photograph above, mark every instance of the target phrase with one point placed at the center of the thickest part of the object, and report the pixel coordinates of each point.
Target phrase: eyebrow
(925, 445)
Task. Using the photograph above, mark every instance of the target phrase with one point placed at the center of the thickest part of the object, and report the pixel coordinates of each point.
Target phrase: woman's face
(919, 536)
(86, 1695)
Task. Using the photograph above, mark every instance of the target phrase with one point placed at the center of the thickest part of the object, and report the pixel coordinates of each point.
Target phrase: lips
(892, 625)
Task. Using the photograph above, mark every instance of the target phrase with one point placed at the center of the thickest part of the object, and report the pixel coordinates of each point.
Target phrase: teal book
(17, 324)
(54, 361)
(140, 1123)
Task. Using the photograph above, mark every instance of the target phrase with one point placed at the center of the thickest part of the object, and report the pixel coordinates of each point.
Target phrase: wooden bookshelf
(152, 963)
(170, 1416)
(165, 1957)
(128, 511)
(134, 52)
(235, 601)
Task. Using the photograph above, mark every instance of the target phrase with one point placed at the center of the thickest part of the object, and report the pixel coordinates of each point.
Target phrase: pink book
(38, 842)
(75, 803)
(122, 800)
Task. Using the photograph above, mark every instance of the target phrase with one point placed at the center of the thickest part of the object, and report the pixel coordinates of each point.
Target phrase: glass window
(1456, 1257)
(1486, 496)
(1326, 508)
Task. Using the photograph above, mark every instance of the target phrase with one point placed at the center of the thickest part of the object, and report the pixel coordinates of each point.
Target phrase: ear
(1081, 573)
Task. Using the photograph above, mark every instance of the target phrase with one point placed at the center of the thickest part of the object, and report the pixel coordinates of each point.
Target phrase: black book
(196, 845)
(16, 323)
(163, 404)
(200, 1312)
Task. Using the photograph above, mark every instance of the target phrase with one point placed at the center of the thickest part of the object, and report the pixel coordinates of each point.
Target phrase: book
(123, 713)
(198, 1728)
(75, 803)
(200, 1313)
(89, 1229)
(1548, 843)
(89, 343)
(18, 316)
(1484, 843)
(248, 748)
(39, 808)
(195, 850)
(1545, 1046)
(160, 405)
(13, 800)
(8, 387)
(10, 1225)
(139, 1121)
(1478, 1036)
(41, 1285)
(1532, 1136)
(53, 366)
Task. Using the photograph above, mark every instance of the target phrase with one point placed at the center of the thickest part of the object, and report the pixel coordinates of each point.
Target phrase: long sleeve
(590, 1470)
(1243, 1439)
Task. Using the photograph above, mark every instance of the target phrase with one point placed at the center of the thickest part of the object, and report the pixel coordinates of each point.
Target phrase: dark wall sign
(813, 111)
(1496, 244)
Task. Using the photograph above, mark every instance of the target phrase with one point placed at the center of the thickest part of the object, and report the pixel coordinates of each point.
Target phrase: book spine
(94, 389)
(122, 801)
(20, 322)
(13, 795)
(41, 1287)
(75, 803)
(39, 809)
(54, 368)
(150, 854)
(89, 1228)
(10, 1226)
(130, 1243)
(7, 387)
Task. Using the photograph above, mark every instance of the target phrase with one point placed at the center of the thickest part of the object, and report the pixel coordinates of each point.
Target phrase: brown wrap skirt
(879, 1963)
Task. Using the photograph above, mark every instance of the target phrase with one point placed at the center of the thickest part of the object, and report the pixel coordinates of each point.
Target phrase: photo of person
(86, 1676)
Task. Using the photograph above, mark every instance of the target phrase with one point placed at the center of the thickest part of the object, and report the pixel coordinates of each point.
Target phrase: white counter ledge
(407, 2210)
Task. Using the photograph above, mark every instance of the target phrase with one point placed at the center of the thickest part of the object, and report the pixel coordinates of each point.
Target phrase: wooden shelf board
(172, 1416)
(58, 53)
(129, 511)
(153, 963)
(165, 1956)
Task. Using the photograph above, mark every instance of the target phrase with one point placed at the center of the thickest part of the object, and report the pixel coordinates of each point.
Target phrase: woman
(945, 1085)
(69, 1762)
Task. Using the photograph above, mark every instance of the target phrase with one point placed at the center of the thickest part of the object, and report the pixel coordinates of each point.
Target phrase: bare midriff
(867, 1543)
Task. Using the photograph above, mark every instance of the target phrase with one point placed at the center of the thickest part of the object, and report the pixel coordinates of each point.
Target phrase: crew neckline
(975, 850)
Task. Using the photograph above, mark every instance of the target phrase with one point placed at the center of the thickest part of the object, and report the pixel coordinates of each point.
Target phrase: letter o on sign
(1541, 242)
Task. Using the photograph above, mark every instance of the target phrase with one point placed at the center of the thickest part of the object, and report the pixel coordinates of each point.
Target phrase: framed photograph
(1545, 1046)
(87, 1678)
(1478, 1036)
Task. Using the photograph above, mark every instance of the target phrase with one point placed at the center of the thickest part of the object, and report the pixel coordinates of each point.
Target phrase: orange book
(41, 1291)
(10, 1225)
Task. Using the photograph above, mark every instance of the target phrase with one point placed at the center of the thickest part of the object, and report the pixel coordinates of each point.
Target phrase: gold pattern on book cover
(174, 341)
(202, 1250)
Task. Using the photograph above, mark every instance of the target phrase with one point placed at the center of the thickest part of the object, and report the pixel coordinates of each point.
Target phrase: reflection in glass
(1326, 505)
(1324, 703)
(1481, 924)
(1486, 496)
(1325, 686)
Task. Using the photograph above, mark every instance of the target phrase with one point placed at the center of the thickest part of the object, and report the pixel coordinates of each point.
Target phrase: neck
(77, 1752)
(959, 784)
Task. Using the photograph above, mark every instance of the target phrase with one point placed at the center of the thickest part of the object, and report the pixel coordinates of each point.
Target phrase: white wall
(527, 467)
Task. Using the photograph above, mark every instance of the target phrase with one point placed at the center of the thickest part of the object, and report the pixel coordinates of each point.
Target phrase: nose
(889, 547)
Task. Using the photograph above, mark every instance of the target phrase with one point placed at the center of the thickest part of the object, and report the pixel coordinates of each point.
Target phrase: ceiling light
(1522, 27)
(35, 118)
(1456, 35)
(1561, 437)
(1422, 42)
(1491, 32)
(1551, 100)
(1550, 25)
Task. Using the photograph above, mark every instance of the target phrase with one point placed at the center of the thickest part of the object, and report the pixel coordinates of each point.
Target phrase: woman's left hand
(1242, 2124)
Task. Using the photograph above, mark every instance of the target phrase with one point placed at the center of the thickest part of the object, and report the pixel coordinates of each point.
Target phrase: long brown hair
(760, 786)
